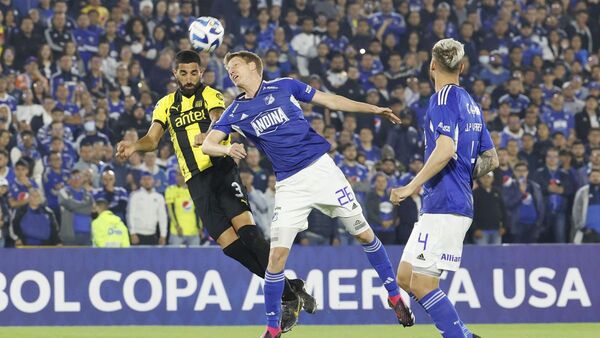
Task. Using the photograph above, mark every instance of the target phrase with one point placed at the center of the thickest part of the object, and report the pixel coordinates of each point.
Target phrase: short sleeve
(300, 90)
(159, 114)
(485, 142)
(223, 123)
(213, 99)
(444, 113)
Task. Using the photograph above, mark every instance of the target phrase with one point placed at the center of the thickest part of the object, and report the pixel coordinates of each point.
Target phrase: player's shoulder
(210, 91)
(166, 100)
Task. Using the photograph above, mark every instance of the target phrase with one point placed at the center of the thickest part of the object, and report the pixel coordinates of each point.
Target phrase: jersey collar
(260, 88)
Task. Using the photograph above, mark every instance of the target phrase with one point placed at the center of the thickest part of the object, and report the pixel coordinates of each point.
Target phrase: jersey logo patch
(269, 121)
(269, 99)
(189, 117)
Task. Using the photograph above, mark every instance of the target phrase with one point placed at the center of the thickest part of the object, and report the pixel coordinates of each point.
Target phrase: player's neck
(442, 80)
(252, 88)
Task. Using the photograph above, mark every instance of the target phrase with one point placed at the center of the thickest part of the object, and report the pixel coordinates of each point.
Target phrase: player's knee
(277, 259)
(365, 237)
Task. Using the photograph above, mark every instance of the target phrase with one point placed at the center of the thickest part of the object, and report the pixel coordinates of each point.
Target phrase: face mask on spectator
(484, 59)
(89, 126)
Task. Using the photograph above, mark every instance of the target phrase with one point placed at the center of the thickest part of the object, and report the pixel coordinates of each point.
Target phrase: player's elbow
(495, 161)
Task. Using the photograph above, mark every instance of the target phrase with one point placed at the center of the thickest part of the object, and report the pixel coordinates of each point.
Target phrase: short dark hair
(522, 164)
(187, 56)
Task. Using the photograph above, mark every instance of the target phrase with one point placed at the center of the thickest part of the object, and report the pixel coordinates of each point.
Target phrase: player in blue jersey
(269, 115)
(458, 149)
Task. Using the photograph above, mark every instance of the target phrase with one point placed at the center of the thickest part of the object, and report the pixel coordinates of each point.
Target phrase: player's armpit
(486, 162)
(215, 114)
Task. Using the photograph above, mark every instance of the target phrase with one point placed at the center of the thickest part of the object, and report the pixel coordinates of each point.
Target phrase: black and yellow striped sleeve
(159, 114)
(213, 99)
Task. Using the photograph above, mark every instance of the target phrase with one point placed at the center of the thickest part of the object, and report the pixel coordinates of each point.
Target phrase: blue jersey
(274, 122)
(453, 113)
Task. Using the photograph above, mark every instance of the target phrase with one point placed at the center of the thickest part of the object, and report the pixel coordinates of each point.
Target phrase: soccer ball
(206, 34)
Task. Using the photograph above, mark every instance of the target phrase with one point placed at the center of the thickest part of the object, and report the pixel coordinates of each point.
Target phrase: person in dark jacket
(490, 215)
(381, 213)
(556, 187)
(35, 224)
(529, 216)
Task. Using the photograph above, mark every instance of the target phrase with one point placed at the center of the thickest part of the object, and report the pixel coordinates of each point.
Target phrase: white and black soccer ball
(206, 34)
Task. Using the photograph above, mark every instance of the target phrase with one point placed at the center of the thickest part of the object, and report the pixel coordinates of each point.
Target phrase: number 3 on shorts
(238, 189)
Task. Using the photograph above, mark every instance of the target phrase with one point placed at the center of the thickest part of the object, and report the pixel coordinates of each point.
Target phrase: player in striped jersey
(214, 182)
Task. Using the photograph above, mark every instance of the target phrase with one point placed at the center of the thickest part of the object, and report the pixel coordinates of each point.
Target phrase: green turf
(580, 330)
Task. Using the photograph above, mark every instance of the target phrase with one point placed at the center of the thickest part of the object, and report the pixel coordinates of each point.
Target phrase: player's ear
(462, 68)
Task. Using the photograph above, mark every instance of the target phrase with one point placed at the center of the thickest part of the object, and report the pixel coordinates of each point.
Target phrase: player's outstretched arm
(441, 155)
(212, 146)
(147, 143)
(337, 102)
(486, 162)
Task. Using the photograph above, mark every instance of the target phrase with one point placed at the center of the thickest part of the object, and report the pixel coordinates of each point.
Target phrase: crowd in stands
(78, 76)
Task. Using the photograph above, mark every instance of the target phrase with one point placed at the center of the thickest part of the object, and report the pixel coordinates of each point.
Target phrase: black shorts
(219, 196)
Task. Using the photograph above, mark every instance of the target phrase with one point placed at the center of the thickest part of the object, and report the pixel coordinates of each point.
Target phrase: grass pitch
(579, 330)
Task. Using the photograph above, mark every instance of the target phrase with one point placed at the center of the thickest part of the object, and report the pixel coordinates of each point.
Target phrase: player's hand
(199, 139)
(135, 240)
(236, 151)
(387, 113)
(125, 149)
(162, 241)
(400, 194)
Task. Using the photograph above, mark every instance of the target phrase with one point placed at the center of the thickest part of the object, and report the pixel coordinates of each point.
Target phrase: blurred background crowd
(78, 76)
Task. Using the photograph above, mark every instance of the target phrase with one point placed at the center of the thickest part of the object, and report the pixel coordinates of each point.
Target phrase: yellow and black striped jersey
(184, 118)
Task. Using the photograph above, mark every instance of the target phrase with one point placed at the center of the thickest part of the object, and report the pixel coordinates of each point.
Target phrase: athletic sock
(274, 283)
(238, 251)
(444, 315)
(259, 247)
(380, 261)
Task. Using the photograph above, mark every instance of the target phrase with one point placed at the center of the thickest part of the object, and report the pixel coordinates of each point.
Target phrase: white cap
(146, 3)
(3, 182)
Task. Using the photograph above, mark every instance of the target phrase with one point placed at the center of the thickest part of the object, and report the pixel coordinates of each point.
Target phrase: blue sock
(274, 283)
(380, 261)
(444, 315)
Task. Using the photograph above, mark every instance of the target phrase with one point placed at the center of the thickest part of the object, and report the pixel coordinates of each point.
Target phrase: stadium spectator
(4, 211)
(381, 214)
(588, 118)
(586, 211)
(160, 176)
(54, 181)
(108, 230)
(185, 225)
(19, 189)
(35, 224)
(261, 176)
(489, 220)
(76, 203)
(556, 187)
(116, 196)
(146, 214)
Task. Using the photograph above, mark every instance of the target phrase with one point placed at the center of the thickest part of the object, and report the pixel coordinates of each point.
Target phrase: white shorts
(323, 186)
(436, 243)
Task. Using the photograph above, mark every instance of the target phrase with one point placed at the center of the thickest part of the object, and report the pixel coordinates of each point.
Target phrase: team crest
(269, 99)
(198, 104)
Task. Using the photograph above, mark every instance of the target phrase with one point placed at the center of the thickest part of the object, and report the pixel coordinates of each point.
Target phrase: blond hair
(247, 57)
(449, 54)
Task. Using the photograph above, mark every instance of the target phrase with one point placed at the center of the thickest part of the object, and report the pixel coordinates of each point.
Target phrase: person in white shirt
(305, 44)
(26, 111)
(145, 211)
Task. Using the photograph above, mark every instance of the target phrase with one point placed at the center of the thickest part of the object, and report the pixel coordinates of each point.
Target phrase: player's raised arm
(212, 146)
(147, 143)
(441, 155)
(337, 102)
